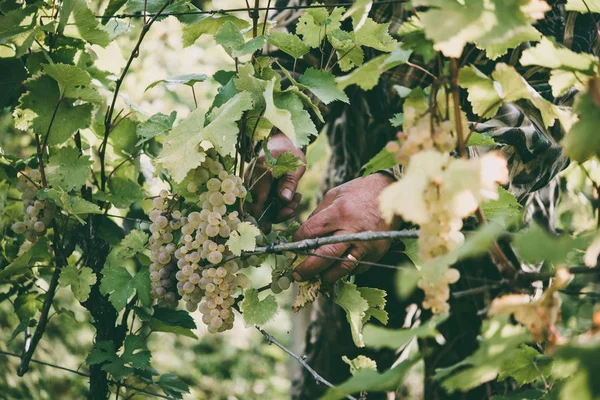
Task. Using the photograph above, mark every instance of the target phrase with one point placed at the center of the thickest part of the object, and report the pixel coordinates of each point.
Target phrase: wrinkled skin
(349, 208)
(346, 209)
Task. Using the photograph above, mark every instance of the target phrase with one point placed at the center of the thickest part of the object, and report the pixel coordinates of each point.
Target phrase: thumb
(288, 184)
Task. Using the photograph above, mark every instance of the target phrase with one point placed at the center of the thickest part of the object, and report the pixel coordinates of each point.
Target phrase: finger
(319, 224)
(289, 211)
(287, 184)
(314, 265)
(343, 268)
(260, 195)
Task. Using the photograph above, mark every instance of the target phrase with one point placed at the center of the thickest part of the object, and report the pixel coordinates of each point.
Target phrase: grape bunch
(203, 278)
(162, 248)
(37, 213)
(419, 137)
(437, 290)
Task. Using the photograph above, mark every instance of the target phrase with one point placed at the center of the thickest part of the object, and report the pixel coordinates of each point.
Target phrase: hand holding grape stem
(349, 208)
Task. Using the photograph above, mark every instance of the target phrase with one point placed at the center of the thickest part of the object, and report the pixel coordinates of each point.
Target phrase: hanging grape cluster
(190, 268)
(421, 135)
(37, 214)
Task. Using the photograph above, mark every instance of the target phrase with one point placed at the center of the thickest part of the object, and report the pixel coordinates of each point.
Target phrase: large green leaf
(583, 141)
(67, 169)
(322, 84)
(210, 24)
(255, 311)
(349, 298)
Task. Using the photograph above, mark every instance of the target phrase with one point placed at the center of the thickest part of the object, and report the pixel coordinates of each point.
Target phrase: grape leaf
(80, 280)
(289, 44)
(583, 6)
(124, 192)
(523, 367)
(366, 76)
(494, 24)
(548, 54)
(255, 311)
(210, 24)
(315, 22)
(479, 139)
(73, 205)
(67, 169)
(119, 285)
(376, 300)
(377, 337)
(243, 238)
(583, 141)
(535, 245)
(360, 363)
(20, 265)
(222, 128)
(181, 150)
(375, 35)
(514, 88)
(133, 243)
(500, 341)
(230, 37)
(349, 53)
(500, 48)
(349, 298)
(87, 25)
(135, 356)
(27, 305)
(172, 385)
(174, 321)
(154, 126)
(73, 82)
(36, 108)
(371, 381)
(505, 209)
(286, 112)
(246, 81)
(482, 91)
(322, 84)
(383, 160)
(187, 79)
(284, 163)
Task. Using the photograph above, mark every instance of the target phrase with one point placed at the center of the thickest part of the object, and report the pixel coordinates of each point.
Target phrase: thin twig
(41, 327)
(234, 10)
(109, 113)
(301, 361)
(307, 244)
(85, 375)
(505, 267)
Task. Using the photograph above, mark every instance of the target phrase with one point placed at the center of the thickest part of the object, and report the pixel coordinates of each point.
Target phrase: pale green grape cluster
(203, 279)
(420, 137)
(162, 248)
(37, 213)
(437, 290)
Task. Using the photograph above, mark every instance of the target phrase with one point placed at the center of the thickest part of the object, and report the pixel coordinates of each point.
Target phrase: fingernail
(287, 194)
(297, 277)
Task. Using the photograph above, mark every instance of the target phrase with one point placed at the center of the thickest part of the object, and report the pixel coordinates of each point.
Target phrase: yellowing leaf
(316, 21)
(243, 238)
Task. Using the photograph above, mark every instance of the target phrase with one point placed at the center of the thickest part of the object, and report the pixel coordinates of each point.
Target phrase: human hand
(349, 208)
(262, 181)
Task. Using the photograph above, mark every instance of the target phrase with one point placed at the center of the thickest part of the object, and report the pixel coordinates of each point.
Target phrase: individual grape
(19, 228)
(284, 282)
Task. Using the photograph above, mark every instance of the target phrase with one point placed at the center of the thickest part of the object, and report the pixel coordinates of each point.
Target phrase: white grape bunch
(419, 135)
(204, 279)
(37, 213)
(162, 249)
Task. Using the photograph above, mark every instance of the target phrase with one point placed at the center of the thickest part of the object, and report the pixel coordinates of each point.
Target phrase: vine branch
(85, 375)
(301, 361)
(109, 113)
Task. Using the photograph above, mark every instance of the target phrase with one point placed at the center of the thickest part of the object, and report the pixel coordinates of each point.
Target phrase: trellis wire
(244, 9)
